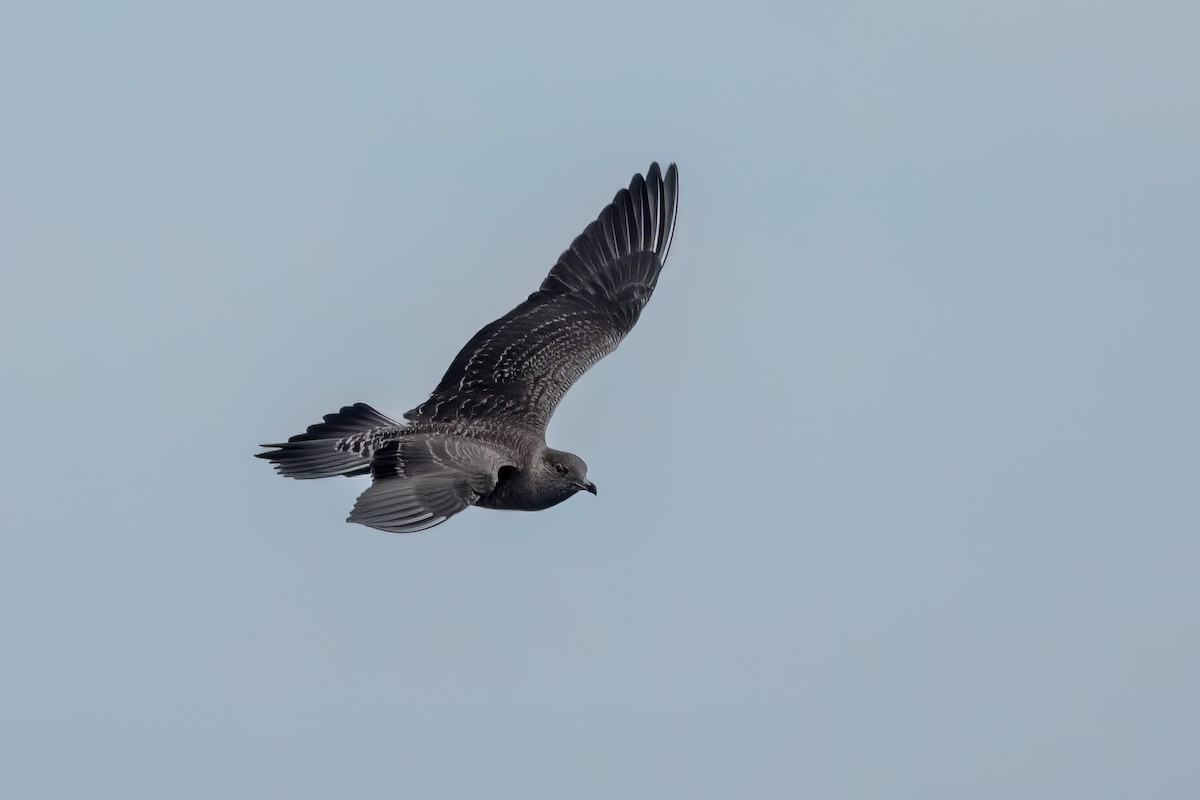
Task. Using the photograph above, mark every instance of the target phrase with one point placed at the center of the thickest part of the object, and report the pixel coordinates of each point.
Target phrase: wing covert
(420, 482)
(518, 367)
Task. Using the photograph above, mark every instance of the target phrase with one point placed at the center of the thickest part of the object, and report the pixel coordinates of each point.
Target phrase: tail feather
(313, 454)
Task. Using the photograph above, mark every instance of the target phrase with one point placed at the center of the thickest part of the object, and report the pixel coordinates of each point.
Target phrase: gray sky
(898, 473)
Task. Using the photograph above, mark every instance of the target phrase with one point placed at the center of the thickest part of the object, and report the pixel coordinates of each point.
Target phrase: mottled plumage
(480, 437)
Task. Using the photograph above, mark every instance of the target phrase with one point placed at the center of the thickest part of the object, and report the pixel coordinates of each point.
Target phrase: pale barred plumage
(480, 437)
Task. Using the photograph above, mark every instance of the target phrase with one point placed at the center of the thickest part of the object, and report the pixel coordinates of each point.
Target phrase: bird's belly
(517, 501)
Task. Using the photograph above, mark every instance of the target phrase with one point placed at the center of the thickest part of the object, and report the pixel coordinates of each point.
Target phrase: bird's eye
(560, 469)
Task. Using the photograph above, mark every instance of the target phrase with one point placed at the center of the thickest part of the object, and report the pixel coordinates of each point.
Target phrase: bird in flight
(480, 438)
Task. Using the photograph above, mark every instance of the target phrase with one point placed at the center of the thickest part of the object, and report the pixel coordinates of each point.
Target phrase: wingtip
(671, 195)
(656, 169)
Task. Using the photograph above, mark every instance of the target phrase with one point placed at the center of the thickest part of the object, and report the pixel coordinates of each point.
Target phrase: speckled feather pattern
(480, 437)
(520, 366)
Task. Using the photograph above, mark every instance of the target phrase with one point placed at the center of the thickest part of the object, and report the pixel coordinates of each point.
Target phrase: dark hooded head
(566, 472)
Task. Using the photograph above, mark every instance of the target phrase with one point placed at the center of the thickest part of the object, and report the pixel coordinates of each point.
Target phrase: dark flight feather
(517, 368)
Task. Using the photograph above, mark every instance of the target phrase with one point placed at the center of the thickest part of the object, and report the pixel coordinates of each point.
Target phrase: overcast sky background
(898, 473)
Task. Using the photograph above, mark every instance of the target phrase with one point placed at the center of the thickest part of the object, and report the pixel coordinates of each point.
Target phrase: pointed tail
(314, 453)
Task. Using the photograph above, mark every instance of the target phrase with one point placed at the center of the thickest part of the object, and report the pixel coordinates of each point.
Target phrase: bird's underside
(480, 437)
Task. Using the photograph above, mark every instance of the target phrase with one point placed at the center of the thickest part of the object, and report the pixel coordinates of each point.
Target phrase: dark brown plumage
(480, 437)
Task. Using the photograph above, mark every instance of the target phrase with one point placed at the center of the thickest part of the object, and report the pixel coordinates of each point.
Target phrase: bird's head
(567, 471)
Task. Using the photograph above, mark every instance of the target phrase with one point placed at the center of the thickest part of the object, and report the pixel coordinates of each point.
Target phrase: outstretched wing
(517, 368)
(420, 482)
